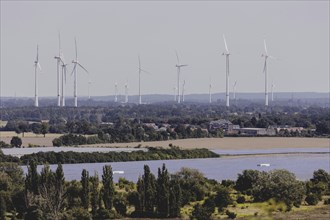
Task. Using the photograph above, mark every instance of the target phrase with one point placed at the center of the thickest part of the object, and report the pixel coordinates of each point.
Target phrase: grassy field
(240, 143)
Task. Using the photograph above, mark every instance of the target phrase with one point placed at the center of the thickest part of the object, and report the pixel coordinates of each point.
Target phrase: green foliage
(312, 199)
(120, 204)
(4, 145)
(108, 188)
(16, 141)
(151, 154)
(204, 212)
(246, 181)
(163, 194)
(95, 194)
(3, 207)
(240, 199)
(231, 215)
(85, 189)
(222, 198)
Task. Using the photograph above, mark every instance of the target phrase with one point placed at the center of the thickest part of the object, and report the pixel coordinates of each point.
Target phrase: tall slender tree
(175, 199)
(85, 189)
(95, 193)
(163, 194)
(149, 181)
(108, 187)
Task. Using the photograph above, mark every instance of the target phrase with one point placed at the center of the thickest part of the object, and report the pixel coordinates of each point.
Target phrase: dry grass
(227, 143)
(235, 143)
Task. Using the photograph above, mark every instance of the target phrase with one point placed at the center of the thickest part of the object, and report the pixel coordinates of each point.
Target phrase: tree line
(47, 195)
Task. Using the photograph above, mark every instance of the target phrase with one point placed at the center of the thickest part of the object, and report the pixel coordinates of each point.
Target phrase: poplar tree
(175, 200)
(108, 187)
(163, 194)
(95, 193)
(149, 191)
(32, 178)
(84, 195)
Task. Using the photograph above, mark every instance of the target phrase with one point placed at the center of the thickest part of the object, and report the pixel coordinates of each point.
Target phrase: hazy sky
(111, 34)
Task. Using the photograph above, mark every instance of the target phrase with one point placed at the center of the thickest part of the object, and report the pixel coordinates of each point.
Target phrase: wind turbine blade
(142, 70)
(224, 40)
(265, 47)
(235, 83)
(177, 57)
(39, 66)
(75, 65)
(82, 67)
(264, 71)
(37, 53)
(59, 43)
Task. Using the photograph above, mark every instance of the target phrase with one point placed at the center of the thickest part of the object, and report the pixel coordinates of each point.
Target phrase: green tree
(246, 181)
(108, 187)
(175, 200)
(95, 193)
(85, 189)
(16, 141)
(222, 198)
(149, 191)
(44, 128)
(163, 194)
(32, 178)
(3, 208)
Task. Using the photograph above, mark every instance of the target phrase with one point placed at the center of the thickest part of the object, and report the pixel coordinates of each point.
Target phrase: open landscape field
(226, 143)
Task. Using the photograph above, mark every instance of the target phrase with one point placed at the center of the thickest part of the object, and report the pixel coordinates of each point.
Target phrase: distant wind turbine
(174, 90)
(58, 58)
(265, 72)
(75, 85)
(183, 89)
(63, 80)
(126, 92)
(210, 94)
(179, 66)
(227, 71)
(89, 85)
(36, 66)
(116, 92)
(140, 71)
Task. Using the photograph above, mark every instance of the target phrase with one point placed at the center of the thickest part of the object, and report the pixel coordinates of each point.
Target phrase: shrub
(312, 199)
(16, 141)
(240, 199)
(231, 215)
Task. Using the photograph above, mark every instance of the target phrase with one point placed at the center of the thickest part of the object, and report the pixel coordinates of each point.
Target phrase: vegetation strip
(96, 157)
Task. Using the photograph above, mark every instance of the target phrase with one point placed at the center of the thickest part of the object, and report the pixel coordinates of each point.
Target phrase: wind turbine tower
(126, 92)
(226, 53)
(266, 55)
(272, 91)
(140, 71)
(89, 86)
(116, 92)
(183, 89)
(210, 94)
(174, 90)
(63, 81)
(179, 66)
(75, 85)
(36, 66)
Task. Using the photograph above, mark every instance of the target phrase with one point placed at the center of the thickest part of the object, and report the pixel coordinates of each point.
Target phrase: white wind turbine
(36, 66)
(178, 66)
(75, 85)
(266, 55)
(63, 79)
(210, 94)
(140, 71)
(116, 92)
(59, 60)
(174, 91)
(89, 85)
(126, 92)
(227, 71)
(183, 89)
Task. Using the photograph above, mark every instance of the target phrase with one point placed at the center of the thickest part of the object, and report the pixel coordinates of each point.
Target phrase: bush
(240, 199)
(327, 201)
(231, 215)
(16, 141)
(312, 199)
(4, 145)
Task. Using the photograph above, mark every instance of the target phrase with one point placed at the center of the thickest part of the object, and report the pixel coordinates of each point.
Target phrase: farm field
(227, 143)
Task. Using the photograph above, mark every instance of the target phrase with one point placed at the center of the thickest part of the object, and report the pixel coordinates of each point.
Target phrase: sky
(111, 34)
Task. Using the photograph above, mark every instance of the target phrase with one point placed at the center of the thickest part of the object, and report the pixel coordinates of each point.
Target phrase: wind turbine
(227, 71)
(126, 92)
(89, 85)
(178, 66)
(76, 63)
(210, 94)
(266, 55)
(140, 71)
(59, 60)
(183, 90)
(116, 92)
(63, 80)
(36, 66)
